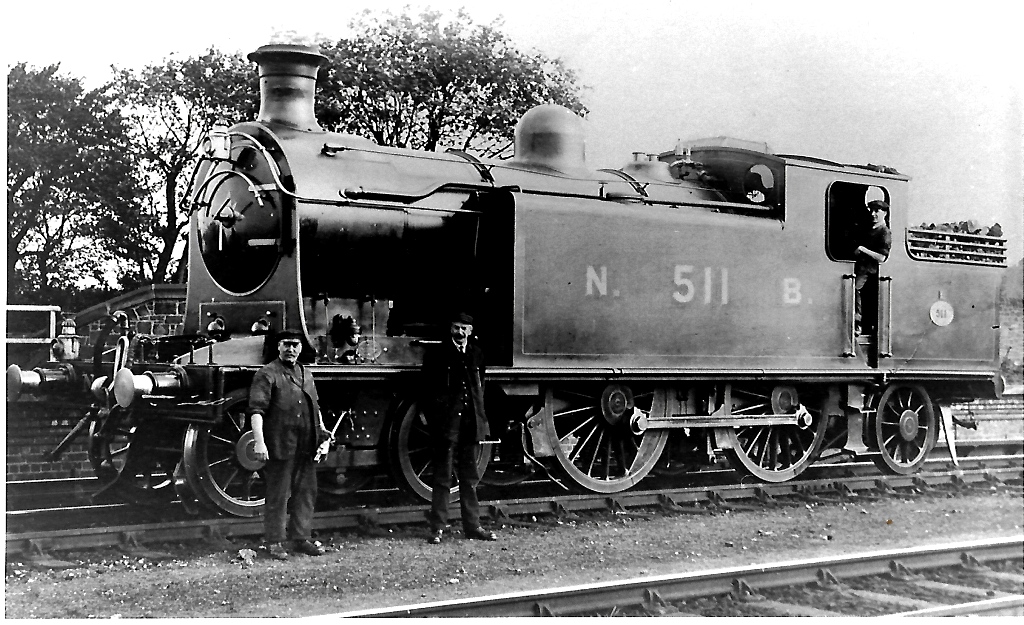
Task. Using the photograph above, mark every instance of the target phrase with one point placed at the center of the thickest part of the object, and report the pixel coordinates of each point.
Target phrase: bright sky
(933, 89)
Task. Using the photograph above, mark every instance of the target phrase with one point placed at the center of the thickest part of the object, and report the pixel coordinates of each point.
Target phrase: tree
(170, 108)
(68, 168)
(430, 82)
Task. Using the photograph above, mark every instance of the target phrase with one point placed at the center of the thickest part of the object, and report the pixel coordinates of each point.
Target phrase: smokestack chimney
(288, 84)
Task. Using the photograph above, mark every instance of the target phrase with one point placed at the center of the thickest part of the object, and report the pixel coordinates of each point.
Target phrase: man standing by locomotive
(872, 249)
(453, 375)
(287, 428)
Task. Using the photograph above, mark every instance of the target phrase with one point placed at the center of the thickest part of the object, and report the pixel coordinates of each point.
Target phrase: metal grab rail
(884, 329)
(849, 315)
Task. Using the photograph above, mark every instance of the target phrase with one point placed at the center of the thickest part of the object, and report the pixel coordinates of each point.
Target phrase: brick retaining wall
(995, 418)
(34, 428)
(158, 309)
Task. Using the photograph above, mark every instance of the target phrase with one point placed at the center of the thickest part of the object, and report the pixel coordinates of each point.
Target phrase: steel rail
(715, 496)
(53, 494)
(583, 599)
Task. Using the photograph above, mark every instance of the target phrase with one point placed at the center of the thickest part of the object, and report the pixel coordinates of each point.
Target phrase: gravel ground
(395, 566)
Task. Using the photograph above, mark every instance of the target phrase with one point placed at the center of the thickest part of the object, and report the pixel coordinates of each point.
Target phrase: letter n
(601, 282)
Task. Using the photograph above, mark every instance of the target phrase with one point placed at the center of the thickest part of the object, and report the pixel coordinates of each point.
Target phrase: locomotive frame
(695, 302)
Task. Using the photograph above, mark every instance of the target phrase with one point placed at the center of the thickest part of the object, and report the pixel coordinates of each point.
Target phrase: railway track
(30, 497)
(945, 580)
(173, 524)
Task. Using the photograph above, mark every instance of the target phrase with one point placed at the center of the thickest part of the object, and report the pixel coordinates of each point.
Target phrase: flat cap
(879, 204)
(290, 334)
(461, 317)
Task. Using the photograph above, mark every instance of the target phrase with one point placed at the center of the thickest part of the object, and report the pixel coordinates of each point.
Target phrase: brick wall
(1011, 315)
(157, 310)
(994, 418)
(1011, 340)
(34, 428)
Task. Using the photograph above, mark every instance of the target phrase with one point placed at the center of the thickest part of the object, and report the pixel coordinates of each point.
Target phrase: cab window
(846, 216)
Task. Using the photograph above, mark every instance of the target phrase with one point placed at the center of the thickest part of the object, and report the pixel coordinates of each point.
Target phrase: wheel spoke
(218, 462)
(578, 449)
(419, 450)
(589, 420)
(574, 411)
(593, 458)
(754, 409)
(903, 400)
(764, 448)
(751, 394)
(222, 440)
(750, 449)
(426, 466)
(235, 420)
(229, 479)
(591, 398)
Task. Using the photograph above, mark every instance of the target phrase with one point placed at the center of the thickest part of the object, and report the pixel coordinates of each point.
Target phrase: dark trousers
(867, 298)
(466, 454)
(291, 496)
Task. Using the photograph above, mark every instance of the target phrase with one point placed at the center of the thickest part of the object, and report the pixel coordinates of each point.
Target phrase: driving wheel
(774, 453)
(121, 453)
(411, 453)
(599, 435)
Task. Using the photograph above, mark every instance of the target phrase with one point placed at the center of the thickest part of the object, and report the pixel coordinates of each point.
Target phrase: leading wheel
(220, 466)
(599, 435)
(774, 453)
(905, 428)
(124, 461)
(411, 453)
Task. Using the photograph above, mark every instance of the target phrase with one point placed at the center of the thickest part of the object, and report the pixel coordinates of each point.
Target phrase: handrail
(53, 310)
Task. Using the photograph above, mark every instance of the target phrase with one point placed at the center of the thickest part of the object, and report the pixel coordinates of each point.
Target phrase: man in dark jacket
(287, 428)
(453, 375)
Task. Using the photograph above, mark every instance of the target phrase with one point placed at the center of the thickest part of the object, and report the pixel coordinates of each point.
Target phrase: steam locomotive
(696, 303)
